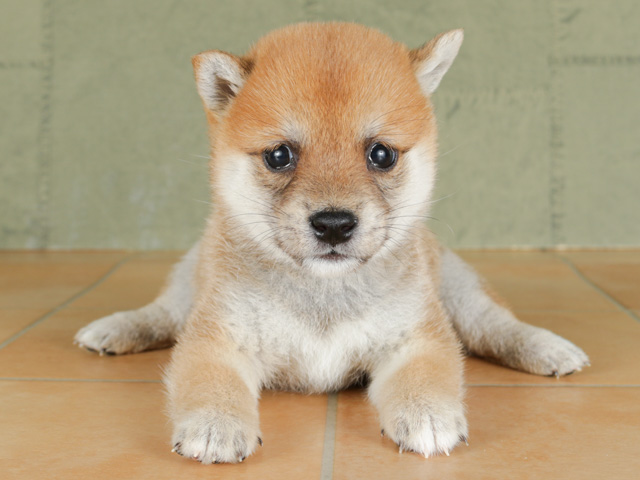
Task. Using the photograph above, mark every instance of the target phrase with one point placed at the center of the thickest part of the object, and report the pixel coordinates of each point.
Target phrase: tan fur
(261, 301)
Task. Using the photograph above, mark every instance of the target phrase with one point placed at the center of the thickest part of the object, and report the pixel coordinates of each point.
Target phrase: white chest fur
(316, 334)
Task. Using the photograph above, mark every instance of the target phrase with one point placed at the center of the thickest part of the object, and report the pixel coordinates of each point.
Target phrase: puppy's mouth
(334, 256)
(332, 263)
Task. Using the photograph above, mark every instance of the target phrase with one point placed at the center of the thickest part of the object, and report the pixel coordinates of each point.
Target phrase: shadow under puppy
(316, 268)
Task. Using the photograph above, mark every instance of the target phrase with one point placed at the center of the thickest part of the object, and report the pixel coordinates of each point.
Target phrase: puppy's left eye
(278, 159)
(381, 157)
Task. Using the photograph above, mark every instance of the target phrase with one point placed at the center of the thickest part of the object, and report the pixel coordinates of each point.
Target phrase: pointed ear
(219, 77)
(432, 60)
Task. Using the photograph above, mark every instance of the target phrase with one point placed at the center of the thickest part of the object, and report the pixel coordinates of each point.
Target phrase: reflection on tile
(515, 432)
(535, 281)
(33, 280)
(610, 339)
(617, 273)
(47, 351)
(119, 430)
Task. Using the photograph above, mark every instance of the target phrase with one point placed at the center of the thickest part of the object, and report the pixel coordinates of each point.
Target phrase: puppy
(316, 269)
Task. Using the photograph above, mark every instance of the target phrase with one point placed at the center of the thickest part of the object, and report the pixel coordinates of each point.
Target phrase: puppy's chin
(331, 267)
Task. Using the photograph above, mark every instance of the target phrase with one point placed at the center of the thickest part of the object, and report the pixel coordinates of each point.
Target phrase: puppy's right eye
(279, 159)
(381, 157)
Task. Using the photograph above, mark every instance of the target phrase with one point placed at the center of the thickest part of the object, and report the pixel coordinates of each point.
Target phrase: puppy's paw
(544, 353)
(429, 428)
(211, 437)
(122, 332)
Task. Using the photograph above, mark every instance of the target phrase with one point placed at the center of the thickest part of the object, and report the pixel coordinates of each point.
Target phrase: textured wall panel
(24, 122)
(128, 120)
(19, 129)
(506, 42)
(494, 169)
(595, 117)
(101, 130)
(601, 154)
(597, 27)
(21, 32)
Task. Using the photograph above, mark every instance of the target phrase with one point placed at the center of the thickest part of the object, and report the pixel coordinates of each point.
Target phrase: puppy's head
(324, 141)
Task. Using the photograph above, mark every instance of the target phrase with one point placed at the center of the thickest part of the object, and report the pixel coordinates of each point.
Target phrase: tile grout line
(78, 380)
(596, 287)
(329, 439)
(328, 449)
(67, 302)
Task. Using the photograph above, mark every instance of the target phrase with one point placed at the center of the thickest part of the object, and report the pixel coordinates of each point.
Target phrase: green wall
(102, 133)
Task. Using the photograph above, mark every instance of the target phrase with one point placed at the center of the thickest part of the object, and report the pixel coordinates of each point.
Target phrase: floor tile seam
(598, 288)
(79, 380)
(67, 302)
(328, 449)
(330, 427)
(110, 306)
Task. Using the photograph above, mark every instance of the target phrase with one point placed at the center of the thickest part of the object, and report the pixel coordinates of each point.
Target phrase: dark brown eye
(278, 159)
(381, 157)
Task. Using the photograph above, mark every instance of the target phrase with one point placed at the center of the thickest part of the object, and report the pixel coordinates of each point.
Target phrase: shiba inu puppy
(316, 269)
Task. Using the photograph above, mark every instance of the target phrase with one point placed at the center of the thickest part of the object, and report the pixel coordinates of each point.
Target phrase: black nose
(333, 227)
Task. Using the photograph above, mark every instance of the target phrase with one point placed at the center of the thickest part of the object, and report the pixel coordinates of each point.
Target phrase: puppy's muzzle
(333, 227)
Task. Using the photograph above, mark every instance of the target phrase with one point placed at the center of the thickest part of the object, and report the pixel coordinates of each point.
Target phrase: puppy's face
(324, 142)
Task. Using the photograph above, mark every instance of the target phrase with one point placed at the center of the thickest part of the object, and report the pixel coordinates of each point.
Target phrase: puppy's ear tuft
(432, 60)
(219, 77)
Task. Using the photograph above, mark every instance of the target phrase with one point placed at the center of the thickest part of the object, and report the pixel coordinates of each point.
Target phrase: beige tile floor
(66, 413)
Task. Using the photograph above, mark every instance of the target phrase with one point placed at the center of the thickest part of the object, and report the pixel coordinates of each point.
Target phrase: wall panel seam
(36, 64)
(595, 60)
(44, 141)
(493, 91)
(556, 143)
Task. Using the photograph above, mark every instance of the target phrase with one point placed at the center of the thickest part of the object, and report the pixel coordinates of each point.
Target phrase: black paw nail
(259, 441)
(176, 448)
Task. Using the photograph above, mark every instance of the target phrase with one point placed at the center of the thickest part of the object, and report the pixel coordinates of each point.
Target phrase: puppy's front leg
(418, 393)
(213, 397)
